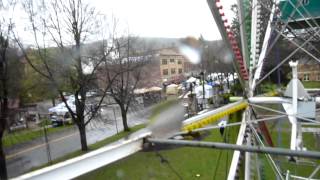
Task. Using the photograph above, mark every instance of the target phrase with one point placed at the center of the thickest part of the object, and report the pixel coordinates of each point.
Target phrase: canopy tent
(208, 91)
(154, 89)
(191, 80)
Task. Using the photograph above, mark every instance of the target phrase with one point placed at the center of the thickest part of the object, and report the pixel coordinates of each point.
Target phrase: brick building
(171, 65)
(309, 70)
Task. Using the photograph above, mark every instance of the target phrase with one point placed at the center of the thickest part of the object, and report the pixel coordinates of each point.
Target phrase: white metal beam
(88, 162)
(269, 100)
(264, 47)
(236, 154)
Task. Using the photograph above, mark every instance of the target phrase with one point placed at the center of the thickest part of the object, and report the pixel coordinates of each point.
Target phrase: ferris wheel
(262, 24)
(287, 19)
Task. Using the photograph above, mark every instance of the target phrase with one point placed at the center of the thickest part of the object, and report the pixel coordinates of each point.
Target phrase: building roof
(169, 52)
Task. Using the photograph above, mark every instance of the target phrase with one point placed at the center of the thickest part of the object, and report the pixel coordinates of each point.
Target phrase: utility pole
(46, 140)
(115, 119)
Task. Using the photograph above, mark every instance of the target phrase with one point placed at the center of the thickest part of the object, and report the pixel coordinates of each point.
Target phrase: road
(23, 159)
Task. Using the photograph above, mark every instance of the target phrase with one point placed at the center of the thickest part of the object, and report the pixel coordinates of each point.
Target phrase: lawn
(198, 163)
(23, 136)
(93, 146)
(178, 162)
(311, 84)
(188, 163)
(306, 166)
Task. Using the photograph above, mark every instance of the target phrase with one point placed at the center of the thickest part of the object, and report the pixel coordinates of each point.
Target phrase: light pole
(203, 90)
(115, 120)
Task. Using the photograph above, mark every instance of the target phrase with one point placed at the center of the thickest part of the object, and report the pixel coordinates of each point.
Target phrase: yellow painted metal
(212, 118)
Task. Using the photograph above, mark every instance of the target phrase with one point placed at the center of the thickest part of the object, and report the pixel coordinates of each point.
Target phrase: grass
(93, 146)
(186, 162)
(309, 142)
(23, 136)
(311, 84)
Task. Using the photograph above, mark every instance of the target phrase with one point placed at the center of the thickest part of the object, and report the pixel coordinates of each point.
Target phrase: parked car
(56, 121)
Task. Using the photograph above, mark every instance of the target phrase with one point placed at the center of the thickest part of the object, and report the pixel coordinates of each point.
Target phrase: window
(179, 61)
(173, 71)
(306, 77)
(164, 61)
(180, 71)
(171, 60)
(165, 71)
(318, 77)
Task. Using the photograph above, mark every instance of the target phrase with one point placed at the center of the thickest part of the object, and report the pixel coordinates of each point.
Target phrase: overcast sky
(165, 18)
(152, 18)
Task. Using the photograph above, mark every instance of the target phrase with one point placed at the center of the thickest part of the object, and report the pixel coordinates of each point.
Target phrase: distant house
(308, 70)
(171, 65)
(167, 65)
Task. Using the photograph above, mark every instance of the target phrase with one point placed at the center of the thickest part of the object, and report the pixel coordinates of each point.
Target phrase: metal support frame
(244, 43)
(279, 112)
(254, 35)
(288, 57)
(243, 148)
(233, 124)
(269, 100)
(264, 47)
(294, 109)
(314, 172)
(247, 172)
(270, 160)
(93, 160)
(236, 154)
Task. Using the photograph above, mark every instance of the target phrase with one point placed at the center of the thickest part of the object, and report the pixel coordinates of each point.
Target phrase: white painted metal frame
(88, 162)
(264, 47)
(244, 43)
(236, 154)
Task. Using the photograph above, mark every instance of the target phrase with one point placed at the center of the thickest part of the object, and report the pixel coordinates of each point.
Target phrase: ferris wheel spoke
(289, 56)
(281, 33)
(280, 112)
(272, 163)
(264, 47)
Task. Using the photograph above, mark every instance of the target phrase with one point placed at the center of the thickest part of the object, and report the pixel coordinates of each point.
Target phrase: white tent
(191, 80)
(208, 91)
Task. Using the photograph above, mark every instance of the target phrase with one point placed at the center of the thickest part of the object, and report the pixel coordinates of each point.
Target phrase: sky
(164, 18)
(153, 18)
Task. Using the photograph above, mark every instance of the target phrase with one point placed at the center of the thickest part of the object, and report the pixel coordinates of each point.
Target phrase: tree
(65, 26)
(35, 87)
(8, 84)
(127, 62)
(4, 44)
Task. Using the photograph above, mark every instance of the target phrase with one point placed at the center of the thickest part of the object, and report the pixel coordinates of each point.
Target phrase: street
(23, 159)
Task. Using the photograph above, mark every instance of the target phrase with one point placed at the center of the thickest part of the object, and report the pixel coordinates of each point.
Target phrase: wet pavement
(22, 159)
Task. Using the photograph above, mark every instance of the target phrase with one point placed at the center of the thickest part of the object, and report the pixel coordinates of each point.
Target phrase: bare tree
(127, 62)
(5, 57)
(4, 44)
(66, 26)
